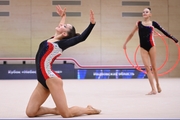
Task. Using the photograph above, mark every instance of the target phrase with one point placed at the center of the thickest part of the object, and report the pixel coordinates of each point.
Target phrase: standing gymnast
(50, 82)
(147, 46)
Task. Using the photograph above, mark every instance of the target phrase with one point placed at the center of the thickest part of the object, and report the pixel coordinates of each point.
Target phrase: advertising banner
(28, 71)
(109, 74)
(68, 71)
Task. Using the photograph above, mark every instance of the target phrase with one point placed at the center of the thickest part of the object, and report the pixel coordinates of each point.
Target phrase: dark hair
(72, 33)
(149, 8)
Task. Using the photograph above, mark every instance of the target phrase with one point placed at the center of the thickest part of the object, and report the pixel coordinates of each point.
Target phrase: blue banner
(67, 71)
(28, 71)
(109, 74)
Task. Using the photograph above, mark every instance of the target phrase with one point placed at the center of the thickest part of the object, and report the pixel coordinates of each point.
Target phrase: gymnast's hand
(61, 12)
(92, 20)
(124, 46)
(177, 43)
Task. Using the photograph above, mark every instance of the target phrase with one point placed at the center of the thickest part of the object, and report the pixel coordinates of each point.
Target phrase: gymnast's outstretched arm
(79, 38)
(62, 13)
(156, 25)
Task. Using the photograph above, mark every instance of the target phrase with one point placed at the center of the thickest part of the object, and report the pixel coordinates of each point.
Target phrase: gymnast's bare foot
(158, 88)
(152, 93)
(92, 110)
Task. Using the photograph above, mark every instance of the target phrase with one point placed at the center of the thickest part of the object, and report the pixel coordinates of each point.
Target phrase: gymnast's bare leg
(145, 58)
(55, 86)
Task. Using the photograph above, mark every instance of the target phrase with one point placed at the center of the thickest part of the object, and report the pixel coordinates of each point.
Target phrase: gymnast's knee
(153, 68)
(30, 112)
(148, 69)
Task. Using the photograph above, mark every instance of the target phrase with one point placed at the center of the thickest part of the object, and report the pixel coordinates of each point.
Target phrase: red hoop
(162, 38)
(139, 69)
(176, 63)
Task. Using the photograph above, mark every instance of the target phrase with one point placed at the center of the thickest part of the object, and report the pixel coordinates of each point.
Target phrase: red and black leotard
(146, 35)
(49, 51)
